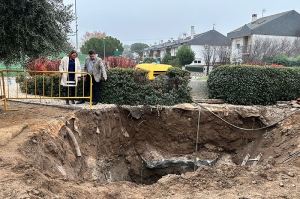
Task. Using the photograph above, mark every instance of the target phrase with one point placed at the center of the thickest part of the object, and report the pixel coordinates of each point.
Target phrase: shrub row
(286, 61)
(126, 86)
(254, 84)
(194, 68)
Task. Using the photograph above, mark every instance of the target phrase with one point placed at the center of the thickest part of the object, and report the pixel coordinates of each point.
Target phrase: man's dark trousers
(96, 88)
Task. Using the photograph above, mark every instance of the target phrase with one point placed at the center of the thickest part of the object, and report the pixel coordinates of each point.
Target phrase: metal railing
(41, 85)
(2, 91)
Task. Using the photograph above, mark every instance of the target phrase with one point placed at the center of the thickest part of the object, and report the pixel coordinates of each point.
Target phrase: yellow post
(3, 97)
(91, 91)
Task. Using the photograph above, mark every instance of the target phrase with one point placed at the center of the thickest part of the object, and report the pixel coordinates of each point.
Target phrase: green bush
(195, 68)
(247, 85)
(126, 86)
(174, 62)
(286, 61)
(51, 85)
(149, 60)
(167, 58)
(129, 86)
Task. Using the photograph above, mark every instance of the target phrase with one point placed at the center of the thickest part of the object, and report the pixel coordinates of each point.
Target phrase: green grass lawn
(13, 67)
(202, 78)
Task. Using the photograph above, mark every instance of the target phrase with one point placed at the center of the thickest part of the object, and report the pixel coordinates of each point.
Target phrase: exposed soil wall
(149, 152)
(139, 144)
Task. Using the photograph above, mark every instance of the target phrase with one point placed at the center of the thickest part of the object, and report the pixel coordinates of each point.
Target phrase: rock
(281, 184)
(284, 177)
(124, 132)
(186, 106)
(293, 102)
(254, 182)
(295, 105)
(210, 146)
(35, 192)
(210, 101)
(269, 178)
(282, 105)
(291, 174)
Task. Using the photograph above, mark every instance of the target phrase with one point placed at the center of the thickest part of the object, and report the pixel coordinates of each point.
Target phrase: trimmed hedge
(246, 85)
(195, 68)
(129, 86)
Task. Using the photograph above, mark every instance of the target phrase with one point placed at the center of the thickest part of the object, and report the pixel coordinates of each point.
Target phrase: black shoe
(94, 103)
(80, 102)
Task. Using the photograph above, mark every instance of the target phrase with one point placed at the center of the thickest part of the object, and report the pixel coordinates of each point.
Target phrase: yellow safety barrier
(2, 91)
(40, 85)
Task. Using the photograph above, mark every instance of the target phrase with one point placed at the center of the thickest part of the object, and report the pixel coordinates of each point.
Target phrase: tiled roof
(261, 21)
(212, 37)
(281, 24)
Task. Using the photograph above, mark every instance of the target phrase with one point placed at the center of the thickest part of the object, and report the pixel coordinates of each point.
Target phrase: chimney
(254, 17)
(161, 41)
(192, 32)
(184, 35)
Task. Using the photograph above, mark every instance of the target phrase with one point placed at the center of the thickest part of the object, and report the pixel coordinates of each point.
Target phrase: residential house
(197, 42)
(283, 27)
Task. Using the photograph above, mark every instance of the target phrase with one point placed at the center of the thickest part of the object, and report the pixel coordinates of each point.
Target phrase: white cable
(245, 128)
(197, 138)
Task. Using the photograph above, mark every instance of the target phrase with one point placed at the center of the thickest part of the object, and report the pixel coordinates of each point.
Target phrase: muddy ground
(149, 152)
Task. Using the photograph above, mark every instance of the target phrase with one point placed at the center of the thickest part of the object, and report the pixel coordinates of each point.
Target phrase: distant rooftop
(281, 24)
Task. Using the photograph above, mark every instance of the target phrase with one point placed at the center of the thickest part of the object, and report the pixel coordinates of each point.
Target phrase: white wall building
(197, 42)
(275, 28)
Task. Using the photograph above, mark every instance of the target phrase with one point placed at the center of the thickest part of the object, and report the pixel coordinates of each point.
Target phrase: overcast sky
(149, 21)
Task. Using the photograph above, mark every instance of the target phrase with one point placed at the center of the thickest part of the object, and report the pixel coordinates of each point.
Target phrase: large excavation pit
(142, 144)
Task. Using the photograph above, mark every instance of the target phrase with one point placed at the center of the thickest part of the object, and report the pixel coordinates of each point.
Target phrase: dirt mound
(150, 152)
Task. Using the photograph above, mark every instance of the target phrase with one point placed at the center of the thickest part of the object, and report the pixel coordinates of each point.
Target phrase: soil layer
(149, 152)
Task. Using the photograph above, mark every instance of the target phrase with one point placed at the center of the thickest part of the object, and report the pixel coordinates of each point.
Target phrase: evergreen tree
(33, 28)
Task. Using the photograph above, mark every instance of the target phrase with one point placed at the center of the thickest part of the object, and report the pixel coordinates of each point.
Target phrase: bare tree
(296, 47)
(265, 49)
(223, 54)
(209, 56)
(89, 35)
(237, 55)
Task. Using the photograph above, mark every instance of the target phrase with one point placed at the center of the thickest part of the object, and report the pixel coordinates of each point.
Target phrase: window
(238, 46)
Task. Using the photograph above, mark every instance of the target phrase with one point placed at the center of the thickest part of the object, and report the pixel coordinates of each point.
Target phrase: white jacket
(64, 66)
